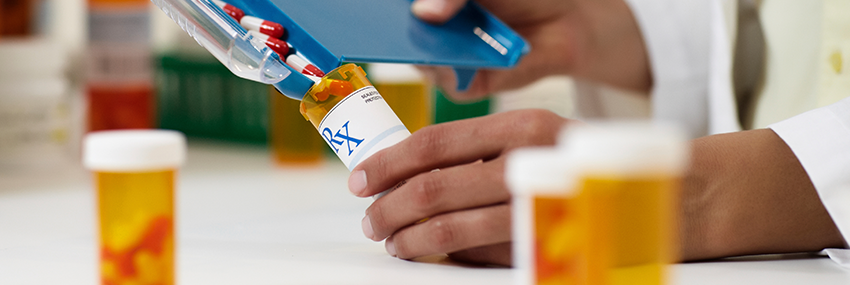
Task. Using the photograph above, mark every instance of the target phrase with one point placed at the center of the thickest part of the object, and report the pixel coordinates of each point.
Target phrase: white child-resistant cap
(538, 170)
(625, 147)
(134, 150)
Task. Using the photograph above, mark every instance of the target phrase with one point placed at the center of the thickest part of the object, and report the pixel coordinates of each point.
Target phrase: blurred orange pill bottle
(628, 178)
(611, 218)
(16, 17)
(293, 141)
(134, 176)
(549, 229)
(351, 116)
(406, 92)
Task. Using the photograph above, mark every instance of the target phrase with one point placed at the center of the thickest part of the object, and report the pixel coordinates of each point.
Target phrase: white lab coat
(690, 54)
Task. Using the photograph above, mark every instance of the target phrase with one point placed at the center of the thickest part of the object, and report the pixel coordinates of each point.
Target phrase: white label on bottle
(361, 125)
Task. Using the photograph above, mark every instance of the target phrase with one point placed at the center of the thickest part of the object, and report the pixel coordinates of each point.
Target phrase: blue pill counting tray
(329, 32)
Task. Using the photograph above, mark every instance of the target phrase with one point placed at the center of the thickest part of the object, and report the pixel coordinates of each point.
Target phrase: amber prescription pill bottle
(628, 177)
(350, 114)
(405, 90)
(549, 243)
(293, 141)
(134, 176)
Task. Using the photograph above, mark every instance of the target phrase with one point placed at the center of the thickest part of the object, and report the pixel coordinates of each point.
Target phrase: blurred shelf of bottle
(18, 18)
(61, 21)
(38, 112)
(119, 73)
(200, 97)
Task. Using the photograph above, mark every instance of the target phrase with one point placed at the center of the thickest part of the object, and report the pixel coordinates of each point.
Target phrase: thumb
(436, 11)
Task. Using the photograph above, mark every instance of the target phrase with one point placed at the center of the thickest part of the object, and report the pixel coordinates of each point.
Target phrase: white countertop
(240, 220)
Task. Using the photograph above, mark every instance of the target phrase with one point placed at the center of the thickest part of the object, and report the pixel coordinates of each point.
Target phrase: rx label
(340, 138)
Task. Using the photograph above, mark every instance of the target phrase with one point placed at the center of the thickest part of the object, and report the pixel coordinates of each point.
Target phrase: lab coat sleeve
(691, 68)
(678, 38)
(821, 141)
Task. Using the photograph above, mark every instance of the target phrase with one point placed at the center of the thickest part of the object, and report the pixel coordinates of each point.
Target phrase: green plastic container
(201, 98)
(447, 111)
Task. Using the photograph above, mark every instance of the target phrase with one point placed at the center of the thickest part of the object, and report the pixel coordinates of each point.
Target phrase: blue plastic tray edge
(296, 85)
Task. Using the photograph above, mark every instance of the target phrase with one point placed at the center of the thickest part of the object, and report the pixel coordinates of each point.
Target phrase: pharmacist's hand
(466, 202)
(598, 40)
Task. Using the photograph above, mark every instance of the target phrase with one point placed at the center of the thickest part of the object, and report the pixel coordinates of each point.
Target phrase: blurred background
(68, 67)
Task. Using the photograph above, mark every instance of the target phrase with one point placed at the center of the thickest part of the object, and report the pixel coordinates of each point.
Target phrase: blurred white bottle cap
(538, 170)
(134, 150)
(625, 148)
(393, 73)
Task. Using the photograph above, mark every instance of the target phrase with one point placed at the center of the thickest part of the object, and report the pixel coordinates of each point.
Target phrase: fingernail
(357, 182)
(390, 246)
(428, 7)
(367, 227)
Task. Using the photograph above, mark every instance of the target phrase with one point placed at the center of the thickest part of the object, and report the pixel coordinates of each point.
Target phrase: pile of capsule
(273, 34)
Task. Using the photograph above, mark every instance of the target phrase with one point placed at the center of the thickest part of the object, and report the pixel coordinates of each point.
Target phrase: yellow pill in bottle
(351, 116)
(134, 176)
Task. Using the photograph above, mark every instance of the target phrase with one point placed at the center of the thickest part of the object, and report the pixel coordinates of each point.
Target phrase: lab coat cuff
(821, 141)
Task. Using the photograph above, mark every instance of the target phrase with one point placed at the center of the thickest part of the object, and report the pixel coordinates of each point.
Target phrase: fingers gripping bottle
(351, 115)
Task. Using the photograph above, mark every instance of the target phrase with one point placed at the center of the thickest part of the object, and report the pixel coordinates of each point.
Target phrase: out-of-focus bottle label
(119, 63)
(119, 50)
(360, 125)
(119, 25)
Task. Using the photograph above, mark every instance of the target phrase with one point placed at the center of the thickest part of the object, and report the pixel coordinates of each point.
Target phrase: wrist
(746, 193)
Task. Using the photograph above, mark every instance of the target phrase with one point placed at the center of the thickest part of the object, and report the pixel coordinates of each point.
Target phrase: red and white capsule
(231, 10)
(301, 65)
(270, 28)
(279, 46)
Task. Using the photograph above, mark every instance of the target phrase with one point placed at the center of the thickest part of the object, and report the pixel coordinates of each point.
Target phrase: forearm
(746, 193)
(611, 48)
